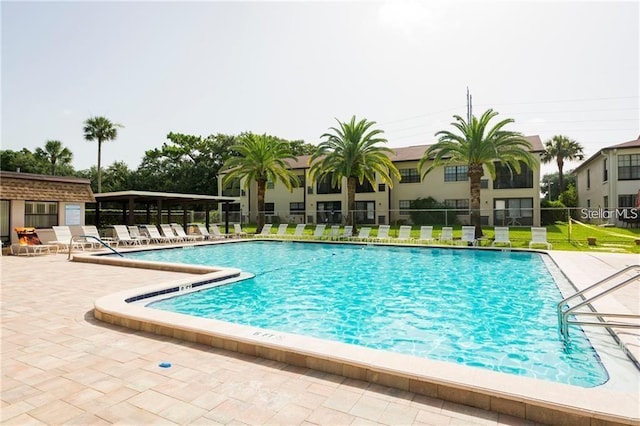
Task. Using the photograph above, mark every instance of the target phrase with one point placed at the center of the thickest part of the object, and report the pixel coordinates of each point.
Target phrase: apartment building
(608, 184)
(509, 199)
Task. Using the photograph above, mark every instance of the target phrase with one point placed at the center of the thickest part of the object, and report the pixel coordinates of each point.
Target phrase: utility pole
(469, 108)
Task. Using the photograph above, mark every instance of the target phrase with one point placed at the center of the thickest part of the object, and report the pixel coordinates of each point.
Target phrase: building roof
(34, 187)
(624, 145)
(165, 197)
(412, 153)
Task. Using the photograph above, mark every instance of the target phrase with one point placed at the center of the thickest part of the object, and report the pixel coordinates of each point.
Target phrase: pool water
(481, 308)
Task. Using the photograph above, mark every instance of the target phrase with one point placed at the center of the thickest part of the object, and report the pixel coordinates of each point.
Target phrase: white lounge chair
(299, 231)
(237, 229)
(426, 234)
(363, 234)
(347, 232)
(92, 231)
(281, 232)
(29, 243)
(334, 232)
(168, 232)
(123, 236)
(180, 233)
(319, 231)
(404, 233)
(203, 231)
(266, 230)
(501, 236)
(215, 231)
(446, 234)
(383, 233)
(63, 239)
(155, 236)
(469, 236)
(539, 237)
(135, 233)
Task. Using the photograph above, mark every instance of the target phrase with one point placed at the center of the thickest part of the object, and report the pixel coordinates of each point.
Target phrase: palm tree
(102, 130)
(478, 147)
(561, 148)
(55, 154)
(352, 152)
(261, 158)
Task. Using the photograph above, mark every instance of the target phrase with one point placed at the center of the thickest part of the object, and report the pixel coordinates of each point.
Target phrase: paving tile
(369, 408)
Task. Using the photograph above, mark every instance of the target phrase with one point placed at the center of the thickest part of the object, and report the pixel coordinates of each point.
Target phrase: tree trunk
(475, 174)
(99, 169)
(351, 203)
(560, 160)
(262, 184)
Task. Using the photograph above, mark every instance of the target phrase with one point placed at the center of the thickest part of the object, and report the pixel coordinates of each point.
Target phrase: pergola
(161, 200)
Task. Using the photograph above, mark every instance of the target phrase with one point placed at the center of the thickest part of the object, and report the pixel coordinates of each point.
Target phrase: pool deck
(62, 366)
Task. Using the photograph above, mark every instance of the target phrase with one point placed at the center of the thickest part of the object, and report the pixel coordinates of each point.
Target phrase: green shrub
(548, 213)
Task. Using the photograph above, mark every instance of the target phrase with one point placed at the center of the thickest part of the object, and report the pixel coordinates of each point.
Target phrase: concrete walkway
(61, 366)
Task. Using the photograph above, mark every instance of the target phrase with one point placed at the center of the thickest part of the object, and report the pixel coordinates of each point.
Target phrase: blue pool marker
(165, 364)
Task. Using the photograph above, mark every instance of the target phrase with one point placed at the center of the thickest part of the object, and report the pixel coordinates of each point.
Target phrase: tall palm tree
(261, 158)
(562, 148)
(55, 154)
(102, 130)
(351, 151)
(479, 147)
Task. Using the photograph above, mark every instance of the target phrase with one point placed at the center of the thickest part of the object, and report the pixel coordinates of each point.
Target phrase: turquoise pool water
(488, 309)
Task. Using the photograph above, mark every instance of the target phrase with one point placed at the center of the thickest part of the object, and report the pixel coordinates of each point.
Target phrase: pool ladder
(85, 237)
(630, 274)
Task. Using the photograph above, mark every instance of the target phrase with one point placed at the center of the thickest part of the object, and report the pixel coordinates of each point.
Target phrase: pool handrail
(106, 245)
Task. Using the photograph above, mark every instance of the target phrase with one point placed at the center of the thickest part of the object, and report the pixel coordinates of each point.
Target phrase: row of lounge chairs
(501, 237)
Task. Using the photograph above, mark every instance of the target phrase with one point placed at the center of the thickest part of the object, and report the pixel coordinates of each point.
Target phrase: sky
(291, 69)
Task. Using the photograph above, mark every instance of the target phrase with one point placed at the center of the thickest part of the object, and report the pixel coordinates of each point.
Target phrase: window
(302, 180)
(456, 173)
(588, 178)
(365, 187)
(329, 212)
(323, 186)
(296, 208)
(409, 176)
(366, 212)
(507, 178)
(629, 167)
(605, 171)
(269, 208)
(5, 208)
(627, 200)
(518, 211)
(484, 183)
(461, 206)
(405, 206)
(606, 202)
(270, 184)
(40, 214)
(231, 207)
(382, 187)
(232, 189)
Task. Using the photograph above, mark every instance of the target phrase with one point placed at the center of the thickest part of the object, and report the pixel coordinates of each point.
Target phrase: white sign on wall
(72, 214)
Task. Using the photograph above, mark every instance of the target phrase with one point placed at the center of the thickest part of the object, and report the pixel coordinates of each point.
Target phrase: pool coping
(527, 398)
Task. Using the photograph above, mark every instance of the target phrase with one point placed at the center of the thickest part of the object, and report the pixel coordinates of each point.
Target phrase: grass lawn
(608, 239)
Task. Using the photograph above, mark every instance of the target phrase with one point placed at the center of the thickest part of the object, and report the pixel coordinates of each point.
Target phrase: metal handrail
(563, 315)
(73, 237)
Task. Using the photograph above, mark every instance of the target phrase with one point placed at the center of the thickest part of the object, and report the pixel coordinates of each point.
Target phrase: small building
(41, 201)
(608, 184)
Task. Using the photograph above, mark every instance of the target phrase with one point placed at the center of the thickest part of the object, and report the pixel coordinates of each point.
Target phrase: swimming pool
(481, 308)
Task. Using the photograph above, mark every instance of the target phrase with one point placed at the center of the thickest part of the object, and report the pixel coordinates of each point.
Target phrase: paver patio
(61, 366)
